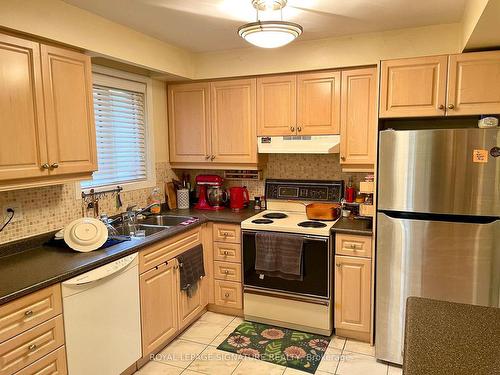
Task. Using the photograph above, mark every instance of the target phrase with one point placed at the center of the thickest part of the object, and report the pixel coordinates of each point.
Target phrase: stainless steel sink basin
(128, 230)
(165, 220)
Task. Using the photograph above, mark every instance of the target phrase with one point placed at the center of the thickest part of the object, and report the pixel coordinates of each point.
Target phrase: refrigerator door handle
(440, 217)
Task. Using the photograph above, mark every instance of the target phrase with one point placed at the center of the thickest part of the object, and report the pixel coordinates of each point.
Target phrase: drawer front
(52, 364)
(227, 271)
(227, 233)
(228, 294)
(26, 312)
(227, 252)
(161, 252)
(29, 346)
(352, 245)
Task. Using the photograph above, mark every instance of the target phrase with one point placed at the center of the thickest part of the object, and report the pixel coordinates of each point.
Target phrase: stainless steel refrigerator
(438, 224)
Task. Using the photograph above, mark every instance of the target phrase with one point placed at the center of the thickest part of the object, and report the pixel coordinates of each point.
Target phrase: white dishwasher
(102, 319)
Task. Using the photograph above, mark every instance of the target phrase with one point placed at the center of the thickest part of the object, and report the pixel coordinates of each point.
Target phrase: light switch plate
(18, 212)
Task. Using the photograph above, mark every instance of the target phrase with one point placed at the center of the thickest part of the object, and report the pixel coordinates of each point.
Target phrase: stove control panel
(327, 191)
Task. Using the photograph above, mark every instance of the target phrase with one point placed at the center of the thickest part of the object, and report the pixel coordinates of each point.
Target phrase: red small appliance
(238, 198)
(211, 194)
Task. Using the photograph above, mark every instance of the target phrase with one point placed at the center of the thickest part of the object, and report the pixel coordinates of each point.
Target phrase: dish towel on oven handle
(191, 269)
(279, 255)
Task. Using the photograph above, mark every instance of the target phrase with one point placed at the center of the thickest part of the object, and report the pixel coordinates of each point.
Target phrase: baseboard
(225, 310)
(355, 335)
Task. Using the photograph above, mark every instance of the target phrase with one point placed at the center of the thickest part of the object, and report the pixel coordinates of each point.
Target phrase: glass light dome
(270, 34)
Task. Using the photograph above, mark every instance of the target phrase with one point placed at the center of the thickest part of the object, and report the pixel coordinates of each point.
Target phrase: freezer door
(442, 260)
(450, 171)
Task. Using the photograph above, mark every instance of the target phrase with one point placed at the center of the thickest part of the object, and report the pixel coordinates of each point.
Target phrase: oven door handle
(306, 236)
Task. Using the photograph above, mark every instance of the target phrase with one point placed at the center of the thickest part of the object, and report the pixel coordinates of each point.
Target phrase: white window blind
(120, 119)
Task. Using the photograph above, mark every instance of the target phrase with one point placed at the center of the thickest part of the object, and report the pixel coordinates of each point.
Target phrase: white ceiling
(210, 25)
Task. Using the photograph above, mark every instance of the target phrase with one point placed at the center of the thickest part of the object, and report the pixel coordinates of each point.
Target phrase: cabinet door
(234, 133)
(22, 144)
(67, 85)
(474, 84)
(191, 306)
(358, 116)
(413, 87)
(159, 291)
(318, 103)
(277, 105)
(352, 293)
(189, 122)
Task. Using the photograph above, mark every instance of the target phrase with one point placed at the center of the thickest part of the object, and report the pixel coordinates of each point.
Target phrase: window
(122, 133)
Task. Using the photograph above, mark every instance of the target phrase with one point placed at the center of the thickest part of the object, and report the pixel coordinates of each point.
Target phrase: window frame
(116, 78)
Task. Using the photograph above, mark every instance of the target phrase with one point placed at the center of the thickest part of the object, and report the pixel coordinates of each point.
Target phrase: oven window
(316, 261)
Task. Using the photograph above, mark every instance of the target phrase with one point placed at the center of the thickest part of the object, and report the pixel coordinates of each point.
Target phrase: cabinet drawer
(26, 312)
(227, 233)
(228, 294)
(352, 245)
(228, 252)
(227, 271)
(165, 250)
(29, 346)
(52, 364)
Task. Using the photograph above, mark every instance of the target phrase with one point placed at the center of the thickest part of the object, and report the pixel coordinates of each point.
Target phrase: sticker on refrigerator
(480, 156)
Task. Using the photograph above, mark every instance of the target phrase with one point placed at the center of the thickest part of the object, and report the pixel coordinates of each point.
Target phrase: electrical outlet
(18, 212)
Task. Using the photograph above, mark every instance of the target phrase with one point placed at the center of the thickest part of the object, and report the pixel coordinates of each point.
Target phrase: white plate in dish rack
(86, 234)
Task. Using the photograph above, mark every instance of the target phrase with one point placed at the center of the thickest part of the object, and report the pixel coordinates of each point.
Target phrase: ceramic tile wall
(48, 208)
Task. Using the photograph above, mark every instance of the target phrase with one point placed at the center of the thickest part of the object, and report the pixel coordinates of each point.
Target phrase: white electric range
(305, 304)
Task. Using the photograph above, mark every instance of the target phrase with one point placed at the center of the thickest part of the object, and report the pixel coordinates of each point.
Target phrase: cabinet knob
(451, 106)
(45, 166)
(338, 265)
(212, 157)
(54, 165)
(292, 128)
(225, 252)
(226, 295)
(226, 272)
(342, 158)
(207, 157)
(28, 313)
(441, 106)
(32, 347)
(299, 128)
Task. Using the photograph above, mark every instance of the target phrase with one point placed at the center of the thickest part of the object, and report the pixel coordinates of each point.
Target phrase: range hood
(301, 144)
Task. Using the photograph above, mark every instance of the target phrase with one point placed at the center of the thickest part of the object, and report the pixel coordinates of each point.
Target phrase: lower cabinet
(352, 293)
(191, 306)
(158, 288)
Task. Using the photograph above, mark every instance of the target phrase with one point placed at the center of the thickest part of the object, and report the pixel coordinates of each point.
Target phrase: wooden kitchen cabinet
(22, 145)
(358, 116)
(318, 103)
(413, 87)
(473, 84)
(352, 293)
(277, 105)
(189, 123)
(46, 106)
(233, 113)
(190, 307)
(159, 293)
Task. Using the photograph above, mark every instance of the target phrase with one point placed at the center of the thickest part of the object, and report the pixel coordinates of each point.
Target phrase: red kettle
(238, 197)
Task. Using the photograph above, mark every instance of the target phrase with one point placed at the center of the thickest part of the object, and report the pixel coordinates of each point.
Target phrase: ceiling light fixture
(270, 34)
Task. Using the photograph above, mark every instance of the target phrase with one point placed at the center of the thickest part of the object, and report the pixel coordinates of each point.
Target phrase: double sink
(152, 224)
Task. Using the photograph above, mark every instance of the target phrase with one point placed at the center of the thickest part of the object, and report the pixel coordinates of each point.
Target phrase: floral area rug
(282, 346)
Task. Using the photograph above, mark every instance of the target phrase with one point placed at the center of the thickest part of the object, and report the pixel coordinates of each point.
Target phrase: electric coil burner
(275, 215)
(262, 221)
(311, 224)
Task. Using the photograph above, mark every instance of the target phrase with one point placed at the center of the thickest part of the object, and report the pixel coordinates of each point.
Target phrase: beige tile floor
(195, 352)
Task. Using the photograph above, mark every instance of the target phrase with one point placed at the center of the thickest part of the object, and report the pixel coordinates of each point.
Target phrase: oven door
(317, 267)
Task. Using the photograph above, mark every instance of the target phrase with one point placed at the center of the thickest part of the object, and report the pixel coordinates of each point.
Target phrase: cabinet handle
(299, 128)
(207, 157)
(338, 265)
(32, 347)
(226, 295)
(226, 272)
(54, 165)
(441, 106)
(212, 157)
(451, 106)
(292, 128)
(225, 252)
(45, 166)
(342, 158)
(28, 313)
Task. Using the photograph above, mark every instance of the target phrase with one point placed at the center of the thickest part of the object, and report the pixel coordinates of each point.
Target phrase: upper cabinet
(358, 116)
(318, 103)
(213, 124)
(46, 107)
(463, 84)
(304, 104)
(277, 105)
(413, 87)
(189, 122)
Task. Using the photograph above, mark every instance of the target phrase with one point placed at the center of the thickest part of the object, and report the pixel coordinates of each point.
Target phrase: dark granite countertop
(28, 265)
(362, 227)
